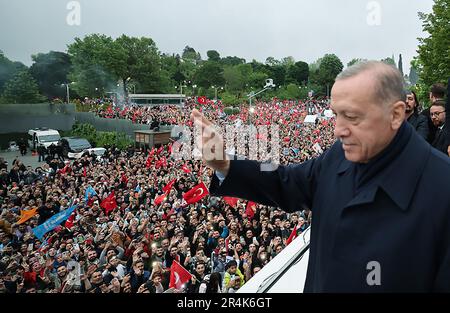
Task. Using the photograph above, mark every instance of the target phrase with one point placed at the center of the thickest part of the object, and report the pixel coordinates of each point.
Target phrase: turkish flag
(84, 171)
(196, 194)
(90, 201)
(161, 198)
(70, 220)
(65, 170)
(293, 235)
(231, 201)
(169, 186)
(160, 150)
(124, 179)
(185, 169)
(109, 203)
(148, 162)
(178, 276)
(250, 209)
(201, 100)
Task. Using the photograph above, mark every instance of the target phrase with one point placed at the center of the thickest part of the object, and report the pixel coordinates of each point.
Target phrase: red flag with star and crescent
(169, 186)
(250, 209)
(201, 100)
(185, 169)
(109, 203)
(231, 201)
(161, 198)
(178, 275)
(196, 194)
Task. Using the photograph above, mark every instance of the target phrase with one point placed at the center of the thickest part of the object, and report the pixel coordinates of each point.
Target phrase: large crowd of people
(130, 222)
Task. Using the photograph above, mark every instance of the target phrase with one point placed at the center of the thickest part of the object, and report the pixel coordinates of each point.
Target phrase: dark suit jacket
(440, 141)
(400, 218)
(420, 123)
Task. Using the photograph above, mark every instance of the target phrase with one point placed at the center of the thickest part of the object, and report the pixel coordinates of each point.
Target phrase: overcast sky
(251, 29)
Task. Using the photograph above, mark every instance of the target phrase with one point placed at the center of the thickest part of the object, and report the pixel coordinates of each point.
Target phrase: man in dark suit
(437, 92)
(418, 121)
(368, 193)
(438, 116)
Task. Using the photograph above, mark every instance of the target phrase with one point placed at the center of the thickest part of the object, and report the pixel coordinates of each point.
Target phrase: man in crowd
(379, 171)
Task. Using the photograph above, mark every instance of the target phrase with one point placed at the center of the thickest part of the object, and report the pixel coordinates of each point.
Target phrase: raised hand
(212, 145)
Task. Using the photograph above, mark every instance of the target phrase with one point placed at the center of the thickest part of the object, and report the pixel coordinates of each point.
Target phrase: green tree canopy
(213, 55)
(50, 70)
(298, 73)
(209, 74)
(330, 66)
(434, 51)
(21, 88)
(8, 69)
(355, 61)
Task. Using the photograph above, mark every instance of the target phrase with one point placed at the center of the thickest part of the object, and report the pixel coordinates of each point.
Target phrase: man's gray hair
(389, 81)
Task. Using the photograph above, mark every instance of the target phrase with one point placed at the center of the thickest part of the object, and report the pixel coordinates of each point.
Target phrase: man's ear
(397, 114)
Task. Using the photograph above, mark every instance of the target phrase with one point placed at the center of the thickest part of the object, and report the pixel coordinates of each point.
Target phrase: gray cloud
(252, 29)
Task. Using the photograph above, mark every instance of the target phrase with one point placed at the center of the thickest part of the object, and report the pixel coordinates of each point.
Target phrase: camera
(269, 83)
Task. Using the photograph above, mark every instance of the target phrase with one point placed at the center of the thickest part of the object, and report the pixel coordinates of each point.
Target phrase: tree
(234, 78)
(271, 61)
(288, 62)
(330, 66)
(389, 61)
(434, 51)
(51, 70)
(22, 88)
(137, 59)
(99, 62)
(298, 73)
(277, 73)
(8, 69)
(90, 58)
(209, 74)
(189, 54)
(232, 61)
(355, 61)
(400, 64)
(213, 55)
(413, 76)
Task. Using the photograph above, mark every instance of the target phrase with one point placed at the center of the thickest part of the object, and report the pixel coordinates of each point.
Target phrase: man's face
(165, 243)
(92, 255)
(232, 269)
(364, 125)
(62, 271)
(437, 114)
(96, 277)
(410, 103)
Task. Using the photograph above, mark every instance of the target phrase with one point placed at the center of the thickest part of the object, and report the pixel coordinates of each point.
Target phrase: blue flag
(52, 222)
(89, 193)
(138, 188)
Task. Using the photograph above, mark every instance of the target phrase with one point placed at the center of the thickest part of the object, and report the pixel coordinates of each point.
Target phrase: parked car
(97, 151)
(73, 145)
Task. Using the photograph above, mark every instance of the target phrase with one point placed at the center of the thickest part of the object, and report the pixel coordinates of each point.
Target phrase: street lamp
(269, 84)
(67, 90)
(215, 91)
(193, 89)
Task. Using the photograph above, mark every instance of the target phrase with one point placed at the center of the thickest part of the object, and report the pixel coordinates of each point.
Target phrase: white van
(42, 136)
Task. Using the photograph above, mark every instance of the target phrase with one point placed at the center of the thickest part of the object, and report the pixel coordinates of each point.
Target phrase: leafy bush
(101, 139)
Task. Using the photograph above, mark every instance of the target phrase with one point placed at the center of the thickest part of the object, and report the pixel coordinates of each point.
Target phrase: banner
(53, 222)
